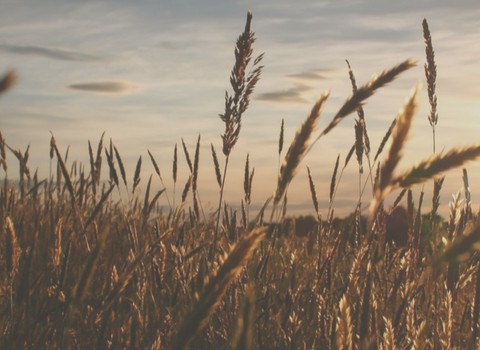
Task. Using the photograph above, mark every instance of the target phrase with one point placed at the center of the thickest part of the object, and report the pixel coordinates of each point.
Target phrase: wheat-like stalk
(359, 144)
(297, 149)
(430, 74)
(136, 175)
(364, 92)
(242, 85)
(12, 249)
(399, 137)
(334, 179)
(389, 342)
(313, 191)
(345, 327)
(218, 175)
(216, 287)
(447, 323)
(436, 165)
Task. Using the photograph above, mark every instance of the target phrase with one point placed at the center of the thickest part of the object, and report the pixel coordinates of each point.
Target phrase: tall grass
(81, 269)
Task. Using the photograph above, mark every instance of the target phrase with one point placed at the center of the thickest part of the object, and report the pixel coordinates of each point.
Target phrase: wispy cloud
(52, 53)
(109, 87)
(287, 96)
(314, 74)
(169, 45)
(295, 94)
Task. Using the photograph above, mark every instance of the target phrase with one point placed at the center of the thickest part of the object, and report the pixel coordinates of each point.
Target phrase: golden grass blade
(196, 161)
(349, 156)
(136, 176)
(155, 165)
(146, 198)
(395, 152)
(66, 176)
(111, 165)
(399, 138)
(186, 189)
(333, 181)
(280, 138)
(216, 288)
(297, 149)
(3, 153)
(345, 327)
(120, 165)
(242, 86)
(436, 165)
(360, 111)
(175, 165)
(364, 92)
(359, 144)
(385, 139)
(12, 249)
(218, 174)
(187, 156)
(313, 192)
(93, 175)
(430, 74)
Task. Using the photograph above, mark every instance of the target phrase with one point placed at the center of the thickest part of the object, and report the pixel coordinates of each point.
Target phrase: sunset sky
(149, 73)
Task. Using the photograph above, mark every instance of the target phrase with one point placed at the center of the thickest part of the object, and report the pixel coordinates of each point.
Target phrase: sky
(149, 73)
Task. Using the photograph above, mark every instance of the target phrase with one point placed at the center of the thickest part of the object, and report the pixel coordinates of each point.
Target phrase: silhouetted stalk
(215, 236)
(237, 103)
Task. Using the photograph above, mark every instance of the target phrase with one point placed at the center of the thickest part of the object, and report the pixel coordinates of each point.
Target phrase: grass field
(83, 269)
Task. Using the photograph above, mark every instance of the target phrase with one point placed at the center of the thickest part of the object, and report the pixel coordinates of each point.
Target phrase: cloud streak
(52, 53)
(286, 96)
(314, 74)
(295, 94)
(108, 87)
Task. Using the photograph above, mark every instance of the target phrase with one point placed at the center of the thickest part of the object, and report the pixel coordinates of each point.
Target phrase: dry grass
(80, 269)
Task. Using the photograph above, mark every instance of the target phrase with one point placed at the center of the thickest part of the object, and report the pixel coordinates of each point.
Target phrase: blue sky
(149, 73)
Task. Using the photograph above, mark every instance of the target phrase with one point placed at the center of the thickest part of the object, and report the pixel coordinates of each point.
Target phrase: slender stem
(215, 237)
(359, 204)
(172, 209)
(370, 172)
(433, 135)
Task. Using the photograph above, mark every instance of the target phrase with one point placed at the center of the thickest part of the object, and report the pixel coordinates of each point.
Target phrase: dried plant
(216, 288)
(242, 86)
(431, 75)
(82, 268)
(236, 104)
(297, 149)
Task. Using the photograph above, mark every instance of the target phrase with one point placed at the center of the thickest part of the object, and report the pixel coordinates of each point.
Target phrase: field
(83, 269)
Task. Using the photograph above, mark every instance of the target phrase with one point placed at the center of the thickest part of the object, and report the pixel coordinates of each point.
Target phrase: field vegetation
(80, 269)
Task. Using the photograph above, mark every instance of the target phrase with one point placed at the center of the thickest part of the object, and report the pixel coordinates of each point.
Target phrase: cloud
(109, 87)
(169, 45)
(314, 74)
(292, 95)
(53, 53)
(295, 94)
